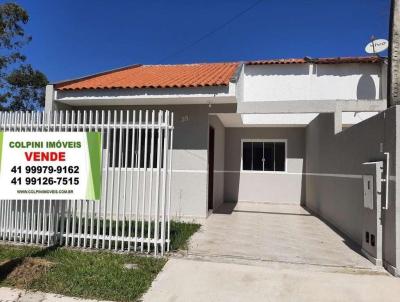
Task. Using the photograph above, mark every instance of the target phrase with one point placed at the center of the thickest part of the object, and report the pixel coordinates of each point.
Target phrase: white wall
(148, 96)
(312, 82)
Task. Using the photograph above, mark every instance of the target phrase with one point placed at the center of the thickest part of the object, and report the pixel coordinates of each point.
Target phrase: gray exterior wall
(276, 187)
(334, 169)
(190, 153)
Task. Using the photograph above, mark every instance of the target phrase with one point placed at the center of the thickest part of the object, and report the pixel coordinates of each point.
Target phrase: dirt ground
(28, 271)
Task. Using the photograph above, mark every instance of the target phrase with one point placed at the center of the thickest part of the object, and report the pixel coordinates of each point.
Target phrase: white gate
(133, 213)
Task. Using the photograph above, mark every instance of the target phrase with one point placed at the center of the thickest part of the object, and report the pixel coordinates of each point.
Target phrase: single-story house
(223, 153)
(292, 131)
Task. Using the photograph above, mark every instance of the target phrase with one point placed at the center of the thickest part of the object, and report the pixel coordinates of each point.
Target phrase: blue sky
(78, 37)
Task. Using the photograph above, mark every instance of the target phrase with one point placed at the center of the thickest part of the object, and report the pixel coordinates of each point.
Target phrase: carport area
(276, 233)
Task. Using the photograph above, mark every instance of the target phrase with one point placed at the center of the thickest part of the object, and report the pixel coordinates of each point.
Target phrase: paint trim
(190, 171)
(355, 176)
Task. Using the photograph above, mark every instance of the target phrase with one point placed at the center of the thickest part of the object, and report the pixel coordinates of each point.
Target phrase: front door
(211, 168)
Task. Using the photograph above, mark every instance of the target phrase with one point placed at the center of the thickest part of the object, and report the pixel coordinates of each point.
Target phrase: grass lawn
(87, 274)
(180, 234)
(15, 252)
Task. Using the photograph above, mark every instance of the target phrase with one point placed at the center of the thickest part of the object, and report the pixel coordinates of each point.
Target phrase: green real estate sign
(50, 165)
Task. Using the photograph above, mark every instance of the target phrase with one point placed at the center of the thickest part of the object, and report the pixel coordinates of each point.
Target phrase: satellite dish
(377, 45)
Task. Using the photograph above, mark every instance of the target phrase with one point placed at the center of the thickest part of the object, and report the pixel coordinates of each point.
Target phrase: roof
(156, 76)
(185, 75)
(338, 60)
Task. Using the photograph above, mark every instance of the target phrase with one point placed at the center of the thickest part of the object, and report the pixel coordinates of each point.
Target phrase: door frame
(211, 153)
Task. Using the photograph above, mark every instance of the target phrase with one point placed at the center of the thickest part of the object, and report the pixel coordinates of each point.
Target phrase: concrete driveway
(266, 252)
(273, 232)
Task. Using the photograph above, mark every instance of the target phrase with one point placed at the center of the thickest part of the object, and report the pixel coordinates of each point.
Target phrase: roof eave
(141, 87)
(306, 60)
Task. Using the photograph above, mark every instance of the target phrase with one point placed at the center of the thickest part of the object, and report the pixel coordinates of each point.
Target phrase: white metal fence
(133, 213)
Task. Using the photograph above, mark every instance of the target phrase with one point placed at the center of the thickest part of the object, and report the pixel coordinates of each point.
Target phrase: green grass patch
(181, 233)
(98, 275)
(9, 252)
(94, 275)
(86, 274)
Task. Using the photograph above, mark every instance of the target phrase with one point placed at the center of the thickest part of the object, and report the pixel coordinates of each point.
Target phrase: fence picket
(131, 184)
(138, 165)
(171, 122)
(150, 200)
(121, 121)
(144, 180)
(106, 179)
(158, 183)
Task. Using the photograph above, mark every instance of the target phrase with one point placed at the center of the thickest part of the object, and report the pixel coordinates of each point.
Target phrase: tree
(21, 86)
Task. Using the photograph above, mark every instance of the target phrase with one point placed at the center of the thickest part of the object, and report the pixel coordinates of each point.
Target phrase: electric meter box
(372, 225)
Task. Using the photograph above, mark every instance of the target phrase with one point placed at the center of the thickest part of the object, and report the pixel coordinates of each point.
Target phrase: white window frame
(261, 140)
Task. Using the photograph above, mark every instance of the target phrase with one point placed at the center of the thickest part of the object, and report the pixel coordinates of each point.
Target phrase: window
(114, 158)
(263, 155)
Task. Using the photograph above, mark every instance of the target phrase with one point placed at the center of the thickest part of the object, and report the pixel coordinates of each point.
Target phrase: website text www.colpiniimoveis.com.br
(61, 191)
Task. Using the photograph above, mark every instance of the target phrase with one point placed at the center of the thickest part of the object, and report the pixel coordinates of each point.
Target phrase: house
(282, 131)
(221, 104)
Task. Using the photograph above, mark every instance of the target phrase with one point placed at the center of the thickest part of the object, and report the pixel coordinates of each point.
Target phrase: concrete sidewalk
(17, 295)
(185, 280)
(268, 252)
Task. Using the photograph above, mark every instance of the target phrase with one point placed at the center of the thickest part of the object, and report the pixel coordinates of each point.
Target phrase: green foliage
(12, 18)
(21, 86)
(26, 88)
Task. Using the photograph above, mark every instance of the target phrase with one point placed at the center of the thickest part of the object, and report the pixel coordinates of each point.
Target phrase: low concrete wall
(277, 187)
(334, 169)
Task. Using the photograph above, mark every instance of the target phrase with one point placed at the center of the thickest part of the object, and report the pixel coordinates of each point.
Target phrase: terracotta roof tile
(185, 75)
(156, 76)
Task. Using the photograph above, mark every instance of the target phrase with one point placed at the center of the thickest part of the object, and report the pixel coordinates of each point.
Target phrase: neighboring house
(267, 131)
